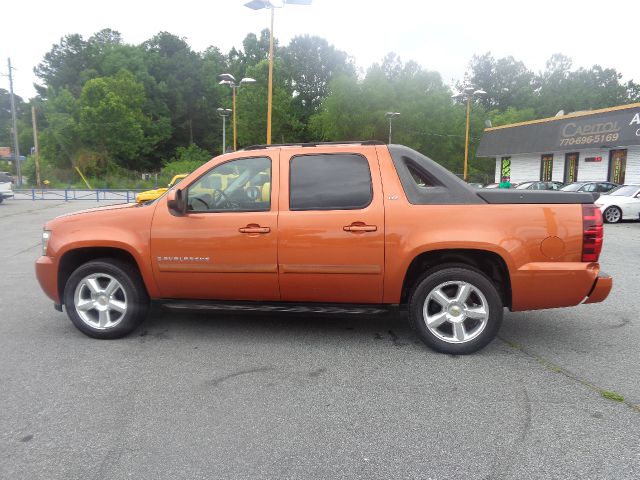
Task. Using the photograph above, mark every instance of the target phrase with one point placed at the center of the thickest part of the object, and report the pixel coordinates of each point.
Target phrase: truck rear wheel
(455, 310)
(106, 298)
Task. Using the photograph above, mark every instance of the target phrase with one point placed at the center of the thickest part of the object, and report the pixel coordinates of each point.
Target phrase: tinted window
(330, 182)
(573, 187)
(625, 191)
(5, 178)
(237, 186)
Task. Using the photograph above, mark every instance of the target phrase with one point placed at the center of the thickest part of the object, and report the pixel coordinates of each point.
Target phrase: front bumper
(601, 288)
(47, 275)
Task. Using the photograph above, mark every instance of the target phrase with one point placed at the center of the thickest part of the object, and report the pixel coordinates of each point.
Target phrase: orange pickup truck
(351, 227)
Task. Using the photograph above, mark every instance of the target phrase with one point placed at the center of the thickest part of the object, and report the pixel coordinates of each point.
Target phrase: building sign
(607, 128)
(5, 152)
(505, 170)
(593, 159)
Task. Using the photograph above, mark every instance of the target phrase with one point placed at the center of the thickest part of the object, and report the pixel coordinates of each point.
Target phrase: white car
(5, 186)
(621, 203)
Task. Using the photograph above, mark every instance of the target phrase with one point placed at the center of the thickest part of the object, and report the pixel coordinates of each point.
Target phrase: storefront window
(546, 167)
(571, 161)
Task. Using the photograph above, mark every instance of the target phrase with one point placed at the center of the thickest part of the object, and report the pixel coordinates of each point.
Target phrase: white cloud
(441, 36)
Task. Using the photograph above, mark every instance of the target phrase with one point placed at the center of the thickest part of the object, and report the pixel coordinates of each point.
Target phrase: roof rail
(316, 144)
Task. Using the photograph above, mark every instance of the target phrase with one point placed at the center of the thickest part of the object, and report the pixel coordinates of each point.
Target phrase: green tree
(561, 88)
(60, 140)
(508, 82)
(251, 109)
(309, 64)
(112, 121)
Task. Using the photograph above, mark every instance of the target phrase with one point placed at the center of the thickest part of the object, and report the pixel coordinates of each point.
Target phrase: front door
(331, 228)
(617, 166)
(225, 247)
(571, 167)
(546, 167)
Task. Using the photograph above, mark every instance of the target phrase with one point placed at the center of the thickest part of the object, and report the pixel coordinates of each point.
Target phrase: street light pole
(228, 79)
(224, 113)
(270, 90)
(16, 145)
(391, 116)
(259, 5)
(468, 95)
(466, 139)
(235, 131)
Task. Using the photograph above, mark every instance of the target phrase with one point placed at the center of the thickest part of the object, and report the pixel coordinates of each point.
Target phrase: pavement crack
(552, 367)
(27, 249)
(217, 381)
(526, 404)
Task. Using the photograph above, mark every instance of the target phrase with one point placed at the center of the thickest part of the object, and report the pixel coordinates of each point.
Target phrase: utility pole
(35, 143)
(16, 147)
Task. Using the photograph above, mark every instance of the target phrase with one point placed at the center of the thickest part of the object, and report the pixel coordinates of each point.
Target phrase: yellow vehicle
(153, 194)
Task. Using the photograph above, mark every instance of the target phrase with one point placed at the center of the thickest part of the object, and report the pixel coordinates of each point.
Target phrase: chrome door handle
(254, 229)
(360, 228)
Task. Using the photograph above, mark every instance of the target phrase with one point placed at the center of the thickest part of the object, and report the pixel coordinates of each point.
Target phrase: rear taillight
(592, 233)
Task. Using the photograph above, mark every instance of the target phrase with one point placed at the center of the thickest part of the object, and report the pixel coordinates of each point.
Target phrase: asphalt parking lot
(191, 396)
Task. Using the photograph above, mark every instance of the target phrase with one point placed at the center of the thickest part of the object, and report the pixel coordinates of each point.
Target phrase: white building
(600, 145)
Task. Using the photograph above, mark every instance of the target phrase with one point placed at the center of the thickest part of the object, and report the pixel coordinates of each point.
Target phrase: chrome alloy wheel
(100, 301)
(612, 214)
(456, 312)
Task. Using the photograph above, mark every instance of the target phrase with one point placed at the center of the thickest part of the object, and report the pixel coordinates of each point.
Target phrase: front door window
(238, 186)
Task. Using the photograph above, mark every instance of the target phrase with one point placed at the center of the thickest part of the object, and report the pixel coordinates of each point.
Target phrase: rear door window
(330, 182)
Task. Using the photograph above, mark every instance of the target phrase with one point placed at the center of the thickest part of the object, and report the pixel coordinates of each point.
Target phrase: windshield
(624, 190)
(572, 188)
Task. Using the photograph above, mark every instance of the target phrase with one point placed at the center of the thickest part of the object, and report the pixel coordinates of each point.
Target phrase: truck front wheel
(106, 298)
(455, 310)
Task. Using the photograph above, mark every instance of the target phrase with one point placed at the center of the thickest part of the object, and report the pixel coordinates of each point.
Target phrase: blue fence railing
(70, 194)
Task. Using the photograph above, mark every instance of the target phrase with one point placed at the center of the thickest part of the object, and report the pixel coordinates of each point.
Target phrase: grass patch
(616, 397)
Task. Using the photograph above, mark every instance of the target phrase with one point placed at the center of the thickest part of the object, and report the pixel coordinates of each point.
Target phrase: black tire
(129, 290)
(449, 281)
(612, 214)
(1, 199)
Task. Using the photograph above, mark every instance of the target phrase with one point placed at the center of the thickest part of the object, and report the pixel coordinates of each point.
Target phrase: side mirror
(176, 203)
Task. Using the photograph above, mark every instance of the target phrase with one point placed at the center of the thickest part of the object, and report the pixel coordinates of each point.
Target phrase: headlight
(46, 235)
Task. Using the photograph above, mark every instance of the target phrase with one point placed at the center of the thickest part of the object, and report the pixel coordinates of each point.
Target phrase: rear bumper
(4, 195)
(541, 285)
(601, 289)
(47, 275)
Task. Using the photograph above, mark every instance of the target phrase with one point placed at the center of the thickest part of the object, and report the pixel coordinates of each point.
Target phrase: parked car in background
(6, 190)
(600, 187)
(491, 185)
(475, 185)
(622, 203)
(538, 185)
(153, 194)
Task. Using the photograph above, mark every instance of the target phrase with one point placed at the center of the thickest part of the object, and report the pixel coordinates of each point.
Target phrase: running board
(334, 309)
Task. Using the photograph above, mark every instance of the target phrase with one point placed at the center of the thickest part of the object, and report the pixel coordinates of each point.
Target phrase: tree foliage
(104, 104)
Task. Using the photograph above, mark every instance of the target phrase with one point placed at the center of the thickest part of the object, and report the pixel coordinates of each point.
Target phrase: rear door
(331, 226)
